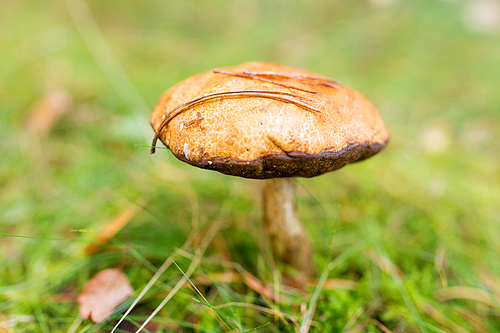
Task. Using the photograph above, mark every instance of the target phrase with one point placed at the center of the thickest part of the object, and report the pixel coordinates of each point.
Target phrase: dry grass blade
(155, 278)
(352, 321)
(338, 284)
(440, 266)
(398, 282)
(260, 309)
(490, 282)
(308, 78)
(190, 240)
(75, 325)
(469, 293)
(473, 319)
(4, 330)
(324, 275)
(256, 285)
(329, 284)
(222, 248)
(221, 277)
(359, 328)
(44, 114)
(151, 327)
(362, 324)
(194, 264)
(440, 318)
(232, 277)
(259, 287)
(113, 227)
(381, 326)
(307, 320)
(255, 76)
(103, 293)
(212, 310)
(383, 263)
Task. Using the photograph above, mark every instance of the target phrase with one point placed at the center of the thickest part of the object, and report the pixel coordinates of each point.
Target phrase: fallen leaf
(103, 293)
(44, 113)
(113, 227)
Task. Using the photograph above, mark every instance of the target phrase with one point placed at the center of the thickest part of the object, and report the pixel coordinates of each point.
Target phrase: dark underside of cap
(291, 164)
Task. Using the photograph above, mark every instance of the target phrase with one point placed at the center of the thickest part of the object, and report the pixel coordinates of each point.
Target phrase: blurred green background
(415, 229)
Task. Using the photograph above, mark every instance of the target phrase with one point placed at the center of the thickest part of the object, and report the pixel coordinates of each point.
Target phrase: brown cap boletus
(267, 121)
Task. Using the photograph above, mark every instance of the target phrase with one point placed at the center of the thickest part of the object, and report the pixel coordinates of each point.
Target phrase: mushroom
(271, 122)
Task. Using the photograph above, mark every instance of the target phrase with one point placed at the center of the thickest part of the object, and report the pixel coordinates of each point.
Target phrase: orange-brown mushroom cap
(263, 120)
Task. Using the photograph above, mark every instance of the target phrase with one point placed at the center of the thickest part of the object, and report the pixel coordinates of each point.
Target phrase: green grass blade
(203, 297)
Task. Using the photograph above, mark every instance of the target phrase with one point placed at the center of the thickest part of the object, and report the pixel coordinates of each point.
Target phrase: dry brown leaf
(103, 293)
(113, 227)
(469, 293)
(43, 115)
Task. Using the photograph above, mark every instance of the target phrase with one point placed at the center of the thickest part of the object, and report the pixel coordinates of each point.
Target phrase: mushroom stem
(283, 227)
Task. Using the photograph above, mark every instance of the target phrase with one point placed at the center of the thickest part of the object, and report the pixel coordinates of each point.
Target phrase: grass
(422, 216)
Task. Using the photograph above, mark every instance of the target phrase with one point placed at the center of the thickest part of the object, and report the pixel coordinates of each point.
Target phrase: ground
(406, 241)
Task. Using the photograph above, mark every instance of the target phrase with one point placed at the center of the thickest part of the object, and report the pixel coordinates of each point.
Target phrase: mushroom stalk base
(283, 227)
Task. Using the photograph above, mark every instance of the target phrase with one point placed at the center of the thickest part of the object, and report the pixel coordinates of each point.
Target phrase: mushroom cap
(263, 120)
